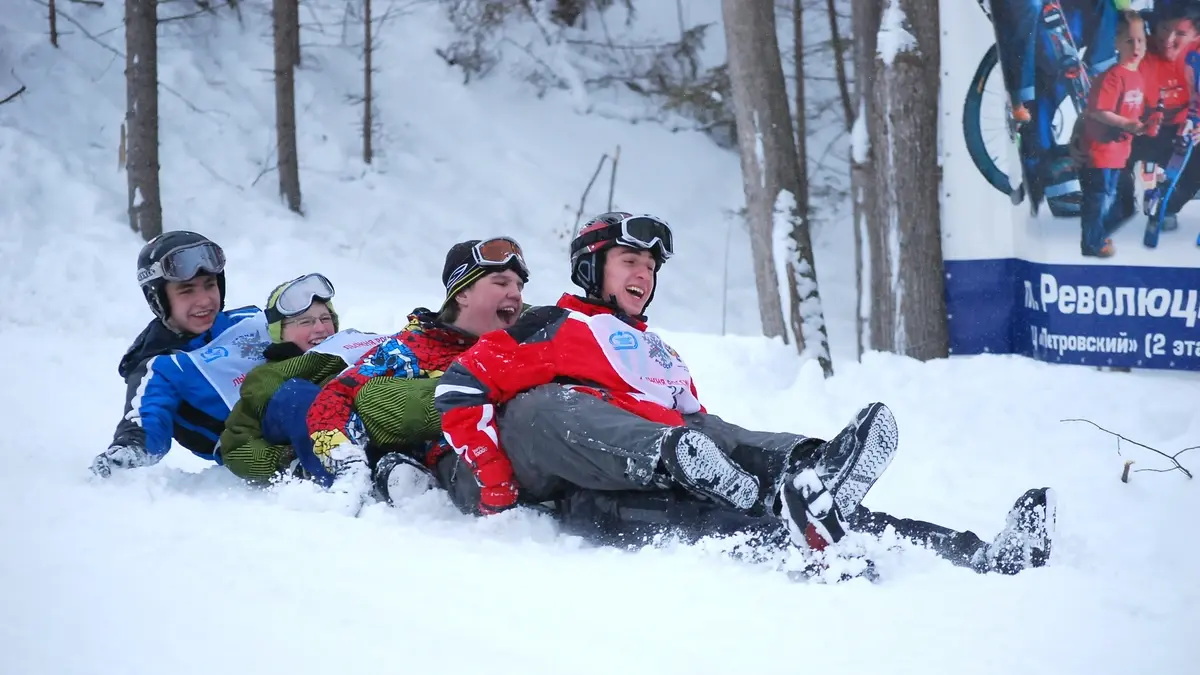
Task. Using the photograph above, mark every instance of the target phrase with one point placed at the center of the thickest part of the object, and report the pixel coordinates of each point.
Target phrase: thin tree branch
(839, 60)
(583, 198)
(167, 88)
(1143, 445)
(208, 9)
(13, 95)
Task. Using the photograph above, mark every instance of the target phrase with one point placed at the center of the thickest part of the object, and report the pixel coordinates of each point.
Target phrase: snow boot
(696, 462)
(824, 484)
(1026, 538)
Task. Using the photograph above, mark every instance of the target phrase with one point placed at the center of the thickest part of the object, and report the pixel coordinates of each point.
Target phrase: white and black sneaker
(398, 476)
(1027, 535)
(696, 462)
(824, 486)
(807, 507)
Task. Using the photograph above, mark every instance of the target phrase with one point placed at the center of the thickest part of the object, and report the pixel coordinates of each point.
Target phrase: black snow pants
(597, 465)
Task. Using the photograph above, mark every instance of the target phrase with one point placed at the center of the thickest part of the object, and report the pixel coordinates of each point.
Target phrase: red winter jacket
(576, 342)
(424, 349)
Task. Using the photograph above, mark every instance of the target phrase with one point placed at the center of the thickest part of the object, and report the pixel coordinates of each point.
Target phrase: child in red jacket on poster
(1112, 119)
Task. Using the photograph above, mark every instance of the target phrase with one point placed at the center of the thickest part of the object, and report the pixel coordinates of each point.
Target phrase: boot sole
(709, 472)
(1039, 556)
(877, 439)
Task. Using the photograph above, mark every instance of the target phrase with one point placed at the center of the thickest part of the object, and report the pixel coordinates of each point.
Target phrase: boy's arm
(1193, 106)
(1108, 98)
(1112, 119)
(399, 411)
(501, 365)
(144, 433)
(244, 451)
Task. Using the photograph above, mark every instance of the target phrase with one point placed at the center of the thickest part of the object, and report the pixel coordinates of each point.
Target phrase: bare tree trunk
(53, 25)
(908, 313)
(141, 117)
(865, 22)
(771, 179)
(285, 104)
(367, 49)
(294, 19)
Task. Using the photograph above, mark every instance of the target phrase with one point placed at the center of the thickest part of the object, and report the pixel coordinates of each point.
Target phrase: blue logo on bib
(623, 339)
(213, 353)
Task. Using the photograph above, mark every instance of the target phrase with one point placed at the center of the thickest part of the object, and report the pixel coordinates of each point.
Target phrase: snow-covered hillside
(180, 568)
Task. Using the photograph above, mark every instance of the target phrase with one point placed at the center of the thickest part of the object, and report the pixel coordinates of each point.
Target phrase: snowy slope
(180, 568)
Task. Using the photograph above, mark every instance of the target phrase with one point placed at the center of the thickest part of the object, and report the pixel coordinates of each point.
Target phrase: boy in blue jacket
(184, 372)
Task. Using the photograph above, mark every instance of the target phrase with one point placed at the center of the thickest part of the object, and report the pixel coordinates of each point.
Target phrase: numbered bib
(648, 364)
(350, 345)
(225, 361)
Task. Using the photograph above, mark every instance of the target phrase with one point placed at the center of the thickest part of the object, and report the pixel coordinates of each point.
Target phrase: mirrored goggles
(299, 295)
(184, 263)
(497, 252)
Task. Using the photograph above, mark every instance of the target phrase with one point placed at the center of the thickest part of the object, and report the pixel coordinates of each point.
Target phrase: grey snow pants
(559, 439)
(599, 464)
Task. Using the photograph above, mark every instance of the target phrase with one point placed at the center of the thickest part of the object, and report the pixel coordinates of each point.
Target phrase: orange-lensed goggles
(499, 251)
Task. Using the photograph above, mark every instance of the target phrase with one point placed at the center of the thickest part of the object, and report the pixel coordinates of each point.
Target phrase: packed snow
(182, 568)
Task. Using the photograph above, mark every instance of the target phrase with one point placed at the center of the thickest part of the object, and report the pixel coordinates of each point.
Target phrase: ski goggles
(644, 232)
(298, 295)
(184, 263)
(496, 252)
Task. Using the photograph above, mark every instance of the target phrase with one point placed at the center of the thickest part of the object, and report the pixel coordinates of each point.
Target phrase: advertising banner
(1071, 233)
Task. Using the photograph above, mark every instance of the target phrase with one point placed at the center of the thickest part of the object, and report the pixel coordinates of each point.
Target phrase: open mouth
(635, 291)
(202, 315)
(315, 341)
(507, 314)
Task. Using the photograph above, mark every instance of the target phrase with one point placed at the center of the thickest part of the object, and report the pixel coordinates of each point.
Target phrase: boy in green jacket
(306, 351)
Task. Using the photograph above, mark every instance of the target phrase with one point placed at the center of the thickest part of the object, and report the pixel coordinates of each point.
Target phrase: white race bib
(645, 362)
(225, 361)
(349, 345)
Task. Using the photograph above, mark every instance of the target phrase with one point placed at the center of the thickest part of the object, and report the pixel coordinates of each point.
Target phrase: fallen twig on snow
(1124, 476)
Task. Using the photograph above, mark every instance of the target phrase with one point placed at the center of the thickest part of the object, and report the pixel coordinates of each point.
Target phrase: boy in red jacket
(580, 404)
(1113, 117)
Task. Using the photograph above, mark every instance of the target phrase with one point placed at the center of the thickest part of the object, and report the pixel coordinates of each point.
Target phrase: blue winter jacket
(178, 387)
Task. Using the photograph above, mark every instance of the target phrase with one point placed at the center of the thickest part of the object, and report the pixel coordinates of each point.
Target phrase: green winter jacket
(243, 449)
(395, 411)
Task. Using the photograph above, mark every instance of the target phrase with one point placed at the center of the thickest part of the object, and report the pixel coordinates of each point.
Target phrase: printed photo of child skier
(1095, 142)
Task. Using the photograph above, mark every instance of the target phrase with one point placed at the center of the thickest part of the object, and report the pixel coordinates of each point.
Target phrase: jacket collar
(594, 307)
(426, 322)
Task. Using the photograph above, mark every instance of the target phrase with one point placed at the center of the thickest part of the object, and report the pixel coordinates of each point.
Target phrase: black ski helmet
(154, 286)
(606, 231)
